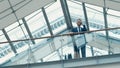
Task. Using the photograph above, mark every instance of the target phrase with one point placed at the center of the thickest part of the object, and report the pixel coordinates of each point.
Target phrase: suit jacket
(80, 37)
(82, 29)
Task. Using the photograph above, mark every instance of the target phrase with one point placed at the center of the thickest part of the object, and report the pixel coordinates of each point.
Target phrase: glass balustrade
(61, 47)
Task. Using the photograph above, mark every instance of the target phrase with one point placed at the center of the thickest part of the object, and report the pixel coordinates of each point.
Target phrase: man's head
(79, 22)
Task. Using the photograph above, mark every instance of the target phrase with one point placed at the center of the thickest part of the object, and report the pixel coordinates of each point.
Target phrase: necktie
(79, 29)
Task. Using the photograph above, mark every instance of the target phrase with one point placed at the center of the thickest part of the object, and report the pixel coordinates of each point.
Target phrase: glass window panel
(12, 26)
(5, 50)
(54, 11)
(36, 22)
(95, 16)
(76, 11)
(16, 34)
(2, 39)
(37, 25)
(113, 12)
(32, 15)
(55, 15)
(113, 18)
(75, 8)
(96, 22)
(15, 31)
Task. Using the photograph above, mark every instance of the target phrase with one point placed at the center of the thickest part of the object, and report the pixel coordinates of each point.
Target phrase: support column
(105, 21)
(47, 21)
(9, 41)
(68, 21)
(28, 30)
(85, 15)
(66, 14)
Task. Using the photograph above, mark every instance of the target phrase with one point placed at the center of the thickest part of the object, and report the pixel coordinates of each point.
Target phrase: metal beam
(9, 41)
(106, 26)
(92, 51)
(85, 15)
(28, 30)
(67, 18)
(108, 61)
(105, 20)
(47, 21)
(66, 14)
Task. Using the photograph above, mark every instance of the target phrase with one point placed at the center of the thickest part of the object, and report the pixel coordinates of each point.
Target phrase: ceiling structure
(111, 4)
(13, 10)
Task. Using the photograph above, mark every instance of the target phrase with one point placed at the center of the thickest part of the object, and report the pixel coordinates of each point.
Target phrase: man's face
(79, 23)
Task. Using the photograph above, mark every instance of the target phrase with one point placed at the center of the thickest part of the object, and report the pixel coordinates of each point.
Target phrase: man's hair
(79, 19)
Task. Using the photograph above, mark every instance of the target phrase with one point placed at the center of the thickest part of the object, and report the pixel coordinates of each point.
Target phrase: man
(80, 39)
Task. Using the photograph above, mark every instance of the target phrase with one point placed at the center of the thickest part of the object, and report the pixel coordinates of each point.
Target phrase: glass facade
(57, 48)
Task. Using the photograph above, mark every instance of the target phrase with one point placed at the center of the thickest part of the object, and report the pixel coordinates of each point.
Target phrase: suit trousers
(83, 51)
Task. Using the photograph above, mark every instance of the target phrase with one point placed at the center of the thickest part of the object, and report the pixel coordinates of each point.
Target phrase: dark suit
(83, 48)
(82, 29)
